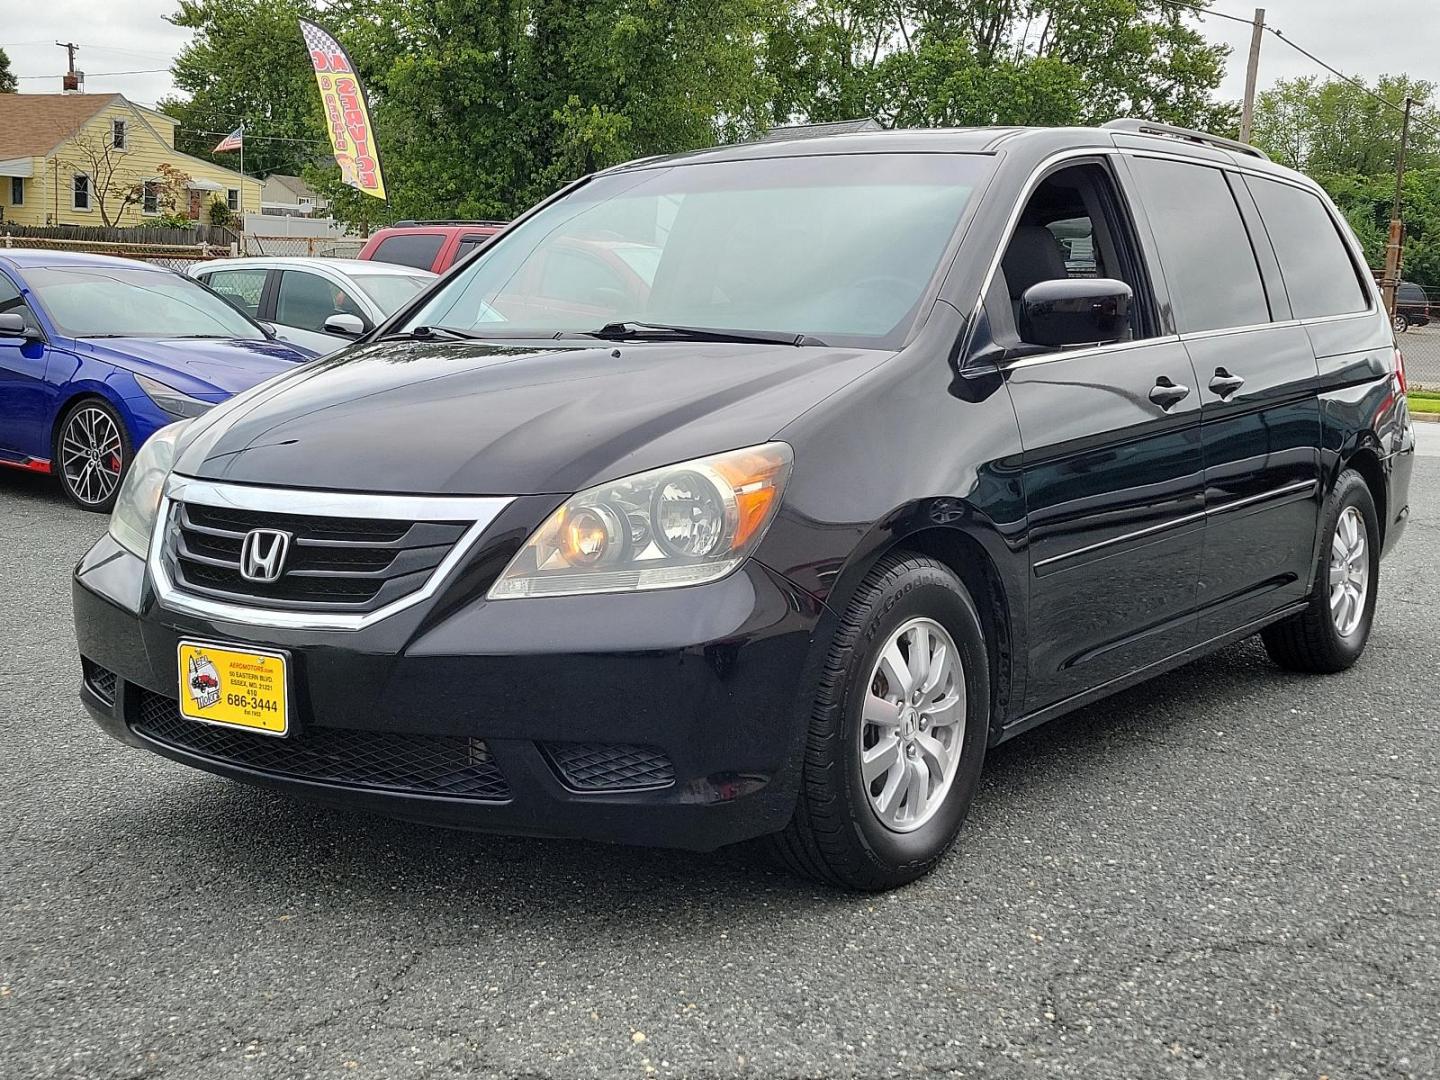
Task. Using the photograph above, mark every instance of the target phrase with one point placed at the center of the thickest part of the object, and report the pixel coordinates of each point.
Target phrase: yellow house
(98, 159)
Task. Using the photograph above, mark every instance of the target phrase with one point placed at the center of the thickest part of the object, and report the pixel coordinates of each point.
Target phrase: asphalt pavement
(1230, 872)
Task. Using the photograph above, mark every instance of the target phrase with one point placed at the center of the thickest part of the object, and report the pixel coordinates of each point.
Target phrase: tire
(1401, 322)
(837, 834)
(1315, 640)
(92, 453)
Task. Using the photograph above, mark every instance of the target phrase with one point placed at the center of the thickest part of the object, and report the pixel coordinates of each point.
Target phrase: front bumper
(685, 707)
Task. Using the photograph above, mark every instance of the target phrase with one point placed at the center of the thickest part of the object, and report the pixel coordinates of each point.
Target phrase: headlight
(133, 520)
(681, 525)
(172, 401)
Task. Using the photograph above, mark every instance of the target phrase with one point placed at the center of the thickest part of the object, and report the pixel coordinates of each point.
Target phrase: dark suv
(910, 441)
(1412, 306)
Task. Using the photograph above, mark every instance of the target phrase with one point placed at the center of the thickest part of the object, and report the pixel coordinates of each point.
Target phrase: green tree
(995, 61)
(1335, 129)
(8, 83)
(482, 107)
(1348, 141)
(247, 64)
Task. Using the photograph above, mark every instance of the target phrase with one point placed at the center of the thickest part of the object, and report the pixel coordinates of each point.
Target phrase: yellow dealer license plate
(243, 688)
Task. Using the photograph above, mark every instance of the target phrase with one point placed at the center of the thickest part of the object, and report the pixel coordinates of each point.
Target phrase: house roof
(815, 131)
(292, 184)
(31, 125)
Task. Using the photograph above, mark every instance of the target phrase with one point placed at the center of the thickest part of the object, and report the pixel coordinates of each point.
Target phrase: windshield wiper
(631, 331)
(431, 333)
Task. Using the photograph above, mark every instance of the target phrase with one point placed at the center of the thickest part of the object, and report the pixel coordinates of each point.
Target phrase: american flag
(233, 141)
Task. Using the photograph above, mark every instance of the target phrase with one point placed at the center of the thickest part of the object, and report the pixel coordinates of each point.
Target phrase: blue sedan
(98, 353)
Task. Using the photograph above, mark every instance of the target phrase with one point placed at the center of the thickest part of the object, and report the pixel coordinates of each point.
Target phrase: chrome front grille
(350, 558)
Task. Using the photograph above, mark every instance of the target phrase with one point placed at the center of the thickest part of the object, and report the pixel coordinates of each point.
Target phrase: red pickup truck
(428, 245)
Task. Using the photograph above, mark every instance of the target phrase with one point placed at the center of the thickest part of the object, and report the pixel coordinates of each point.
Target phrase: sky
(1365, 39)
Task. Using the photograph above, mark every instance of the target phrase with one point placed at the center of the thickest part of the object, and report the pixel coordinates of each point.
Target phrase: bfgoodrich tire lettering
(1313, 640)
(836, 834)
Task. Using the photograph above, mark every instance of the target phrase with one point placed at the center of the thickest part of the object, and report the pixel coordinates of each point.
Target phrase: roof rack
(410, 223)
(1151, 127)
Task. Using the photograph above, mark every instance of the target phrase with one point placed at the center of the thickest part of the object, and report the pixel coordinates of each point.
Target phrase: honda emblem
(262, 555)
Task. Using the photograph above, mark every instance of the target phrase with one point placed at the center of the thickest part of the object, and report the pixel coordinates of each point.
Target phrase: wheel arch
(991, 570)
(1364, 457)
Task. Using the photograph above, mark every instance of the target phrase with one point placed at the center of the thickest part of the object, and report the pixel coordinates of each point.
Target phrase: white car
(317, 304)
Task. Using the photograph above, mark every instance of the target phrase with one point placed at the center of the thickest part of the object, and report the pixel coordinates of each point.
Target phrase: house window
(17, 191)
(80, 194)
(150, 197)
(117, 134)
(232, 198)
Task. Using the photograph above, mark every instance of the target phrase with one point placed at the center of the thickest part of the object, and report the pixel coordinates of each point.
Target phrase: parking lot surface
(1230, 872)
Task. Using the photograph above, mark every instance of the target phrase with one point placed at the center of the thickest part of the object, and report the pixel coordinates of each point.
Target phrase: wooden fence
(216, 236)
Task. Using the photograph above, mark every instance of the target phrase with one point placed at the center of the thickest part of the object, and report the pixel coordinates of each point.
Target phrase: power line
(100, 74)
(1356, 83)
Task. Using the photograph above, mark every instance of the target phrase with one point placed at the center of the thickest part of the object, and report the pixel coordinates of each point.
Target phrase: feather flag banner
(347, 117)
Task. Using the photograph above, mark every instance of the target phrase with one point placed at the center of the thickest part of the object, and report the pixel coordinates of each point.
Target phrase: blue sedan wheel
(93, 453)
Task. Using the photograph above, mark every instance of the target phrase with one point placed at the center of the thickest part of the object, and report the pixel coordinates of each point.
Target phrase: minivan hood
(472, 418)
(207, 368)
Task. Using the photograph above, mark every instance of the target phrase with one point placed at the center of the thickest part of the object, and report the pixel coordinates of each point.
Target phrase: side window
(410, 249)
(1210, 265)
(11, 303)
(242, 288)
(1319, 274)
(1074, 227)
(307, 300)
(467, 245)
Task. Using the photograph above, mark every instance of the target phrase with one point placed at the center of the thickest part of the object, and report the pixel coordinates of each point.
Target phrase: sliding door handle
(1224, 384)
(1168, 394)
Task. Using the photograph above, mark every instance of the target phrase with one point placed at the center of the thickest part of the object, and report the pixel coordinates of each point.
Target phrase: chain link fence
(323, 247)
(180, 256)
(1421, 346)
(173, 256)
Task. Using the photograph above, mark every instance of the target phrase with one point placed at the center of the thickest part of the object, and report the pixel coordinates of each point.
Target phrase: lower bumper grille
(102, 681)
(448, 765)
(610, 766)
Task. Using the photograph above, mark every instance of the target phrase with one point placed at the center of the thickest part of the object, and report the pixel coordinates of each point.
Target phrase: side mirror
(345, 325)
(1075, 311)
(13, 326)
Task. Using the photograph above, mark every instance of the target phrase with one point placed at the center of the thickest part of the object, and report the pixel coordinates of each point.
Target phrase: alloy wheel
(913, 725)
(1349, 572)
(91, 455)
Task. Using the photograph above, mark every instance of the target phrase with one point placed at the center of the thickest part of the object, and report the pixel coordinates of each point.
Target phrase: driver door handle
(1168, 394)
(1223, 385)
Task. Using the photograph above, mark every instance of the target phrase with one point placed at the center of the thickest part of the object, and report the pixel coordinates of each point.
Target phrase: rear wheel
(1331, 633)
(92, 452)
(897, 735)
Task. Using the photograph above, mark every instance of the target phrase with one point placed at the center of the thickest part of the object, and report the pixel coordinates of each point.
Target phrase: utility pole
(71, 82)
(1252, 72)
(1391, 281)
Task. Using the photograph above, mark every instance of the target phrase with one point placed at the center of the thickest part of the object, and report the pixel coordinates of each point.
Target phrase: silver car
(318, 304)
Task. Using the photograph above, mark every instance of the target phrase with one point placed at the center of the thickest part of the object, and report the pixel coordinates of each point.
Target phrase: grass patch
(1426, 401)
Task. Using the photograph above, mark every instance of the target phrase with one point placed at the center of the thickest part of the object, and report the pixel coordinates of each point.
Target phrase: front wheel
(1331, 633)
(1400, 322)
(898, 732)
(92, 452)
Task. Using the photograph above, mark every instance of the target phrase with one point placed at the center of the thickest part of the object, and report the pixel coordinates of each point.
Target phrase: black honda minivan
(757, 491)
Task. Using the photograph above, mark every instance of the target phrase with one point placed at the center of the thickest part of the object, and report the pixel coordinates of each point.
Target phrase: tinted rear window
(1319, 274)
(410, 249)
(1209, 264)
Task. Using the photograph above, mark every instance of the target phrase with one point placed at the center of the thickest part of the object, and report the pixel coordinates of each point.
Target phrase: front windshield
(831, 246)
(118, 301)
